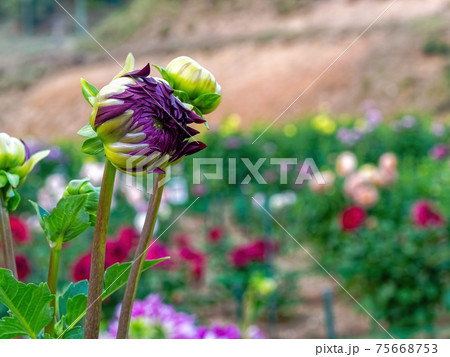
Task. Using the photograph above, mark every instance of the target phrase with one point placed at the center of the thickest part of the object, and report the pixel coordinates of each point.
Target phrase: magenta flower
(20, 232)
(424, 215)
(245, 254)
(352, 218)
(158, 250)
(82, 268)
(23, 267)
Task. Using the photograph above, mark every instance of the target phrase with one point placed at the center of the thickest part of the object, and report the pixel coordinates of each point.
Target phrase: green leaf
(92, 146)
(89, 91)
(41, 213)
(164, 74)
(87, 132)
(28, 307)
(76, 306)
(80, 288)
(200, 114)
(116, 275)
(3, 179)
(68, 220)
(207, 102)
(12, 179)
(25, 169)
(13, 199)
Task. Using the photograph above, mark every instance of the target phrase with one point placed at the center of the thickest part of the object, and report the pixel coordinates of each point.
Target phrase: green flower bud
(15, 165)
(84, 186)
(188, 76)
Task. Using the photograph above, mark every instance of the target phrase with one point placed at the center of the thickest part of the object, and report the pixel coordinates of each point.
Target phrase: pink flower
(82, 268)
(23, 267)
(158, 250)
(424, 215)
(244, 254)
(352, 218)
(20, 232)
(117, 251)
(215, 235)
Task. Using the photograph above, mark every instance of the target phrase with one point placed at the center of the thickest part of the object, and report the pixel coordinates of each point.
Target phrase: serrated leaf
(115, 277)
(164, 74)
(87, 132)
(89, 91)
(79, 288)
(74, 333)
(41, 213)
(28, 306)
(92, 146)
(76, 306)
(68, 220)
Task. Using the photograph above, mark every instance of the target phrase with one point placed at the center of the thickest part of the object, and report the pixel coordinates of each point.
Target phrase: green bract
(15, 165)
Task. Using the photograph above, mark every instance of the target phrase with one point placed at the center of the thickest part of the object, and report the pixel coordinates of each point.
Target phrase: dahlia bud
(143, 127)
(15, 160)
(84, 186)
(198, 84)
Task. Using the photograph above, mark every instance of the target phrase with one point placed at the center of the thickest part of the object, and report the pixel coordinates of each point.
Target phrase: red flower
(215, 234)
(128, 237)
(257, 251)
(23, 267)
(117, 251)
(424, 215)
(20, 232)
(82, 268)
(352, 218)
(159, 250)
(195, 260)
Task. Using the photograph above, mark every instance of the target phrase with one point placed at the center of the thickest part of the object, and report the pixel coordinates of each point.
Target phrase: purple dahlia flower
(143, 126)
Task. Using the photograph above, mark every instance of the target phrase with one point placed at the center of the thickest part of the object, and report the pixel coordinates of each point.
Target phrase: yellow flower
(324, 124)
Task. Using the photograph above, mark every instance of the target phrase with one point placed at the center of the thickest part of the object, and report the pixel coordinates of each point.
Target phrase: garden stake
(94, 302)
(139, 258)
(329, 318)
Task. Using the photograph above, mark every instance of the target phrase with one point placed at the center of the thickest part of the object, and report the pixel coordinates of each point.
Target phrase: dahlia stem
(53, 281)
(94, 303)
(6, 239)
(139, 258)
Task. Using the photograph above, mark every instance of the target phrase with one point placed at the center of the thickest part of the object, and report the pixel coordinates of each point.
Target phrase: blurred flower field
(379, 223)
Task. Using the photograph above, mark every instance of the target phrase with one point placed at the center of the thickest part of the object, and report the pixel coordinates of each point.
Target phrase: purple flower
(151, 318)
(143, 126)
(439, 151)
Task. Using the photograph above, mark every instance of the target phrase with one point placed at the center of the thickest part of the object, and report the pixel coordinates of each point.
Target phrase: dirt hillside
(264, 60)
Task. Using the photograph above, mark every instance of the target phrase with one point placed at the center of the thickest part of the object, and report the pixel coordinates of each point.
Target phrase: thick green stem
(139, 258)
(6, 239)
(94, 303)
(52, 280)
